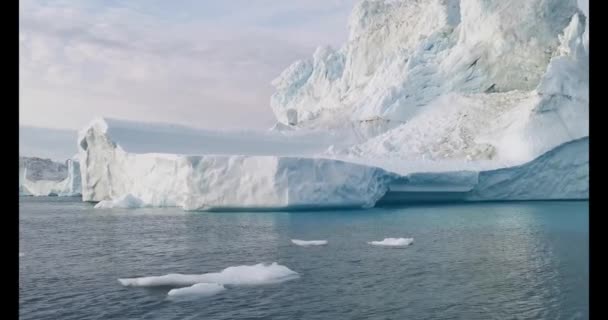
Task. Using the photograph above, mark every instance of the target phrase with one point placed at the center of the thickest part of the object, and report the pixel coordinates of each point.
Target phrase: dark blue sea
(519, 260)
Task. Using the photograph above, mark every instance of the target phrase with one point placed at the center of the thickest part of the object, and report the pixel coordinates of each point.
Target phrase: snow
(198, 290)
(308, 243)
(393, 242)
(246, 275)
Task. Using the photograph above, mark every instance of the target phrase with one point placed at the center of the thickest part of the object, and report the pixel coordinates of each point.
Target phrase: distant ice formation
(308, 243)
(43, 177)
(393, 242)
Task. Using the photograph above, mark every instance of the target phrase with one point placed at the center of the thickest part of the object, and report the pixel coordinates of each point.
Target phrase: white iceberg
(252, 275)
(393, 242)
(308, 243)
(213, 182)
(198, 290)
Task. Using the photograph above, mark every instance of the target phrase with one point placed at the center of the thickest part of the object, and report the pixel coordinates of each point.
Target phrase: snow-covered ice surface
(393, 242)
(253, 275)
(197, 290)
(43, 177)
(308, 243)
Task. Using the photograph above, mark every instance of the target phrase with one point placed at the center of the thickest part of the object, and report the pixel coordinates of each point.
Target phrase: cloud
(202, 63)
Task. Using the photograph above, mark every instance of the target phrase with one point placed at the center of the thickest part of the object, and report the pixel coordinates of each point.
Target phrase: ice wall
(216, 182)
(532, 59)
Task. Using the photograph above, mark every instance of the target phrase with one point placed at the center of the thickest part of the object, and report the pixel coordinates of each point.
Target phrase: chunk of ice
(393, 242)
(199, 290)
(308, 243)
(259, 274)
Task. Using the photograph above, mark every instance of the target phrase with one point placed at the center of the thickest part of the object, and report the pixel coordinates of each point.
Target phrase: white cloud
(201, 63)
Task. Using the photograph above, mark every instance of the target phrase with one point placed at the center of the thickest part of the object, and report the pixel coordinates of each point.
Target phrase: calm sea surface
(525, 260)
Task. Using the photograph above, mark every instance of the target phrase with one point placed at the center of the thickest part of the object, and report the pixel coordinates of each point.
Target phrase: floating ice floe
(127, 201)
(259, 274)
(308, 243)
(393, 242)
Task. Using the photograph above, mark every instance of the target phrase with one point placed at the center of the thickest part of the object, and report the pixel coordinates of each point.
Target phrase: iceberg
(467, 100)
(215, 181)
(308, 243)
(44, 177)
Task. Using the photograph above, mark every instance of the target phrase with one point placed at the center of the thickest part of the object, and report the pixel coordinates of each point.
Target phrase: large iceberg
(111, 171)
(442, 99)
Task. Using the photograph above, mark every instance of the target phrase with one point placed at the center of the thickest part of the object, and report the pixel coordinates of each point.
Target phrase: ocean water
(522, 260)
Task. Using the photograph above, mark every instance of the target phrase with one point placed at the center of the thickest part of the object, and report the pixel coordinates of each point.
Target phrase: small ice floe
(308, 243)
(197, 290)
(209, 284)
(127, 201)
(393, 242)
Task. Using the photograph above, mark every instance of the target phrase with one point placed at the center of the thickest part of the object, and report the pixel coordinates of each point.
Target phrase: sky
(202, 63)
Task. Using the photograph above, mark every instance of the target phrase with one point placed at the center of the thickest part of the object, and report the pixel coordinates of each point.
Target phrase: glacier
(467, 100)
